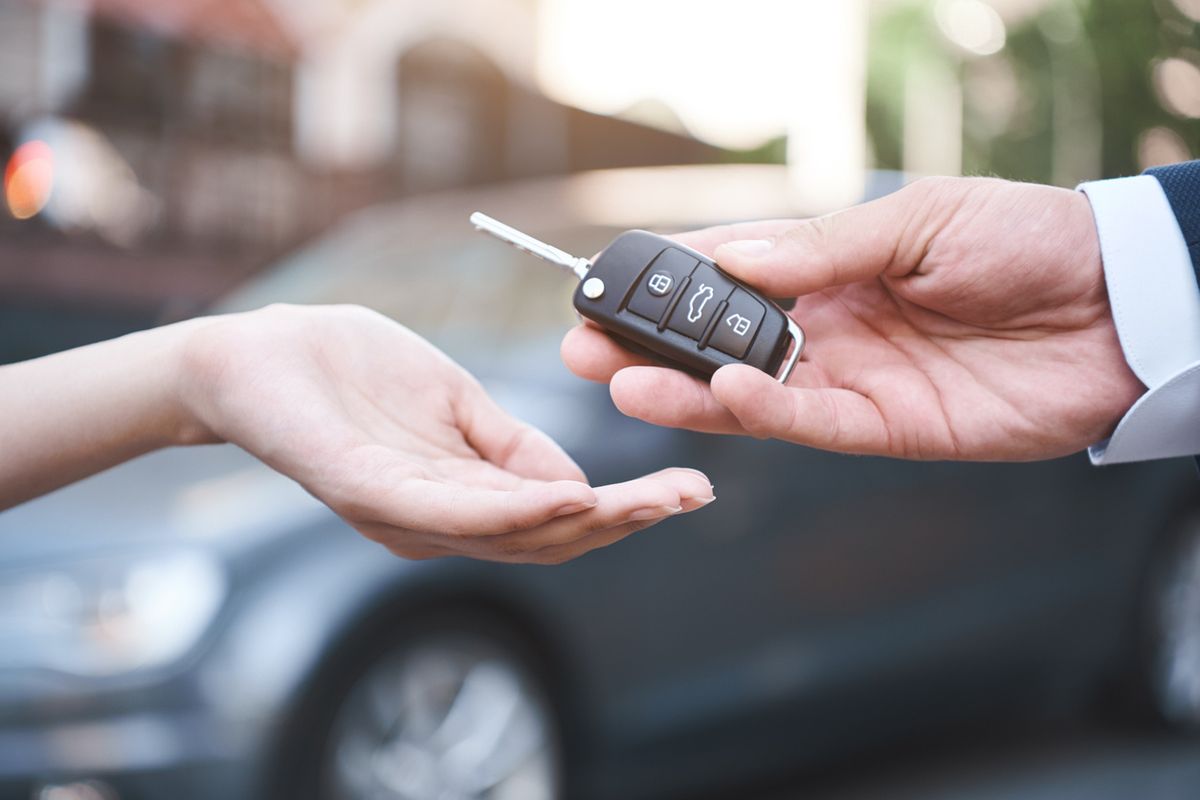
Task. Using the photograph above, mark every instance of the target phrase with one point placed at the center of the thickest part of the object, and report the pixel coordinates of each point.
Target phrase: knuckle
(832, 420)
(511, 547)
(807, 234)
(595, 525)
(375, 533)
(812, 249)
(930, 186)
(522, 520)
(350, 506)
(762, 425)
(927, 195)
(758, 424)
(520, 438)
(757, 428)
(522, 514)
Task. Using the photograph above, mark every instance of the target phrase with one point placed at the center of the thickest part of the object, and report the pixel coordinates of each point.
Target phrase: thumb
(858, 244)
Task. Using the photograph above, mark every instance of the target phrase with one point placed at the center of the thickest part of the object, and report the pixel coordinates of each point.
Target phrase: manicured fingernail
(750, 247)
(697, 502)
(654, 512)
(573, 508)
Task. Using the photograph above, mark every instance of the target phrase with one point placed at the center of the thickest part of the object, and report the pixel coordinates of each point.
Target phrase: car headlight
(107, 616)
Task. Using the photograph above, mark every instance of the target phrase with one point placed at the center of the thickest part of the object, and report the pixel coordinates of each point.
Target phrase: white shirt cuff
(1155, 303)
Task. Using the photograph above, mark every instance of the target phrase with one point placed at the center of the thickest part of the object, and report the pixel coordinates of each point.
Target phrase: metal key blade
(535, 247)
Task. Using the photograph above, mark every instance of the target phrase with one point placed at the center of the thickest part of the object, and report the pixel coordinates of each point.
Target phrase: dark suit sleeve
(1181, 183)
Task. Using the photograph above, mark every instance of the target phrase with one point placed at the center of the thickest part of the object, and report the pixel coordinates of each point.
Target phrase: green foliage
(1128, 37)
(897, 40)
(1069, 95)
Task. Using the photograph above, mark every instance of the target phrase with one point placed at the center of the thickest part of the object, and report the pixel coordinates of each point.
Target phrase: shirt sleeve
(1155, 302)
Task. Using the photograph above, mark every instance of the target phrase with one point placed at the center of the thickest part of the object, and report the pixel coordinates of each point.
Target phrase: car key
(659, 297)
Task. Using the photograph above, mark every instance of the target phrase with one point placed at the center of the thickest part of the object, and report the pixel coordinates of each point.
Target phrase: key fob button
(697, 308)
(660, 281)
(738, 324)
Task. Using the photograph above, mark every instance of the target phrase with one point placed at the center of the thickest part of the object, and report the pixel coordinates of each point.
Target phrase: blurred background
(167, 158)
(159, 152)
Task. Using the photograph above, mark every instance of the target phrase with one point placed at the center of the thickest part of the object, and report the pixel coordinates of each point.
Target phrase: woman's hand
(367, 416)
(405, 445)
(956, 319)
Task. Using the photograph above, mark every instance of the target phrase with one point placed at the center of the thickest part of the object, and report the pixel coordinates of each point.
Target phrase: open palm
(959, 319)
(404, 444)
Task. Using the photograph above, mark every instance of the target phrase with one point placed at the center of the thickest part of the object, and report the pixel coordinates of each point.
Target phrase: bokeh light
(1177, 83)
(28, 179)
(973, 25)
(732, 78)
(1161, 146)
(1189, 8)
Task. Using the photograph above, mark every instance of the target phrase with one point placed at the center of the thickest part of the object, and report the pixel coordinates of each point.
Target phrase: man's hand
(956, 319)
(403, 443)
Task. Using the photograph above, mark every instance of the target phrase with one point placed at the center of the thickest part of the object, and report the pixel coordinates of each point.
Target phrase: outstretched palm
(404, 444)
(957, 319)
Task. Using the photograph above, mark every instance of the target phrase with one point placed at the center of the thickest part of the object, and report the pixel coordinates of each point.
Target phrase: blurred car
(192, 625)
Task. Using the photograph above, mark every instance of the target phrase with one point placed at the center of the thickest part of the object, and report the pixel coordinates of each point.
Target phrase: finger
(670, 398)
(595, 356)
(557, 554)
(621, 509)
(857, 244)
(412, 545)
(511, 444)
(656, 496)
(830, 419)
(418, 552)
(653, 497)
(707, 240)
(460, 511)
(560, 554)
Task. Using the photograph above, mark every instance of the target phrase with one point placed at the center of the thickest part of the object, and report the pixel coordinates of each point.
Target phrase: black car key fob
(664, 299)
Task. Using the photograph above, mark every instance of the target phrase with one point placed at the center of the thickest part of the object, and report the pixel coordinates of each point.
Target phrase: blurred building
(170, 132)
(191, 141)
(185, 143)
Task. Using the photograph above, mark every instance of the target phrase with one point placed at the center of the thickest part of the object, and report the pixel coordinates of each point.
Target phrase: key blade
(535, 247)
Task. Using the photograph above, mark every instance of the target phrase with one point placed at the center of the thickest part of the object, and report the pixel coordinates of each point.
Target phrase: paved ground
(1063, 763)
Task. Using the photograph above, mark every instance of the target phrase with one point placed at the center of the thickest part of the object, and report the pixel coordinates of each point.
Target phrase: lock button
(738, 324)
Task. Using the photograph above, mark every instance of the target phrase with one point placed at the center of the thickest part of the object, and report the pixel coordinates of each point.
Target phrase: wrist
(189, 358)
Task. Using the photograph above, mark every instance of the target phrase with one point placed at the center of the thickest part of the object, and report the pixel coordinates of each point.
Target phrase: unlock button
(739, 322)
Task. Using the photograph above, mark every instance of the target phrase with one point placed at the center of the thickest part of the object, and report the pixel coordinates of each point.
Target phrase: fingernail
(573, 508)
(697, 502)
(750, 247)
(654, 512)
